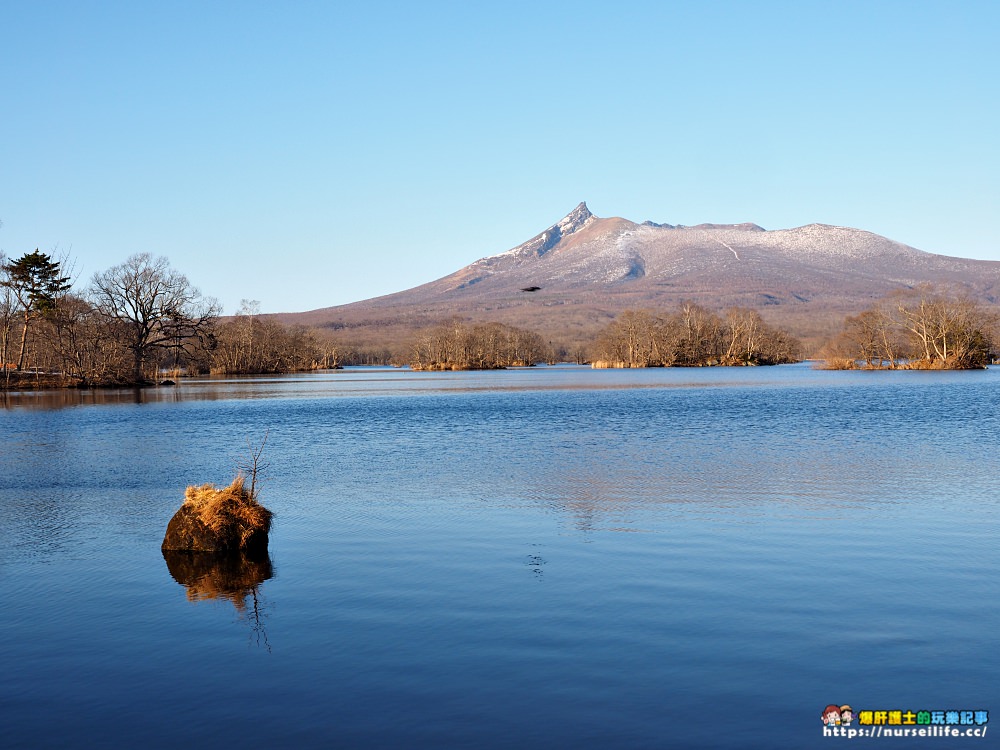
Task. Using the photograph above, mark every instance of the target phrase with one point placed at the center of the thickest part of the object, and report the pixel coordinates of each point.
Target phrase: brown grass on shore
(231, 511)
(836, 363)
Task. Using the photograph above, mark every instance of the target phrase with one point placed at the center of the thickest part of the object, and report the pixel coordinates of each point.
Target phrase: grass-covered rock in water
(219, 520)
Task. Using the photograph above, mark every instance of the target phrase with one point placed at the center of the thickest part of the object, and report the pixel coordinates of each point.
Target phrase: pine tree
(37, 282)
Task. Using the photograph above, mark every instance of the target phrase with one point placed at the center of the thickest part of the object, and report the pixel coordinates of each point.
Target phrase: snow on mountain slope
(582, 249)
(584, 269)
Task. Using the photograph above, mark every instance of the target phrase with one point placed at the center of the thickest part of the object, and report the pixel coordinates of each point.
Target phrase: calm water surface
(543, 558)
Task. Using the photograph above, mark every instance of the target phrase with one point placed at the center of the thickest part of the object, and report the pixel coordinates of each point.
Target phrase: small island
(693, 336)
(919, 329)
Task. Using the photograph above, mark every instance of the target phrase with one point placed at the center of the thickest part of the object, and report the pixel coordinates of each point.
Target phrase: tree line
(252, 343)
(456, 345)
(925, 328)
(128, 324)
(692, 336)
(142, 317)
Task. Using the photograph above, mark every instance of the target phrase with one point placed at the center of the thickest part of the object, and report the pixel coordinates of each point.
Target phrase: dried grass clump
(230, 512)
(838, 363)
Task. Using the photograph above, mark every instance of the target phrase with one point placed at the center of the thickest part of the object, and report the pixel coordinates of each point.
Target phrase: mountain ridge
(573, 277)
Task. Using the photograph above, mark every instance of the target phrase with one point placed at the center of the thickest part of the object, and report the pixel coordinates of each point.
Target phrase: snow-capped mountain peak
(540, 244)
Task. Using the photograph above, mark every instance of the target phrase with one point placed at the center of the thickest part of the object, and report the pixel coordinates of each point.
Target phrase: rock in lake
(219, 520)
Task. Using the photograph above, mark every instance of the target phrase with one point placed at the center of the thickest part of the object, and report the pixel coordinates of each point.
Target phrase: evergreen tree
(37, 282)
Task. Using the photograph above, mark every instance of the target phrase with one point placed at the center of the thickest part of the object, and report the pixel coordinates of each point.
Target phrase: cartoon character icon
(846, 715)
(831, 715)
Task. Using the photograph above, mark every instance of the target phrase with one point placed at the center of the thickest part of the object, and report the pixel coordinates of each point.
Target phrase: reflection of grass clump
(230, 576)
(231, 512)
(211, 576)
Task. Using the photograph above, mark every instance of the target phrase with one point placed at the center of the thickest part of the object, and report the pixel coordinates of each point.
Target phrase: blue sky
(308, 154)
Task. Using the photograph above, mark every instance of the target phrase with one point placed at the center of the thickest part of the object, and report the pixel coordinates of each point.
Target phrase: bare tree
(247, 314)
(253, 465)
(157, 306)
(701, 335)
(8, 309)
(639, 338)
(454, 345)
(692, 337)
(921, 328)
(254, 343)
(946, 330)
(874, 336)
(745, 335)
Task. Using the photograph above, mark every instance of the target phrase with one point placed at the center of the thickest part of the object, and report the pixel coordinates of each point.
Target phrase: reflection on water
(455, 567)
(64, 397)
(233, 577)
(353, 382)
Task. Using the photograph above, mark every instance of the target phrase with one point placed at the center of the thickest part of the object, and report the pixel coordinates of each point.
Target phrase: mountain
(571, 279)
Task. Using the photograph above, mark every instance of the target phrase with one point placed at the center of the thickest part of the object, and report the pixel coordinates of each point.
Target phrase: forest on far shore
(142, 322)
(133, 324)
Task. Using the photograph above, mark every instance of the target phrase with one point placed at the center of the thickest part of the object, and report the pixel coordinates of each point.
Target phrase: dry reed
(230, 512)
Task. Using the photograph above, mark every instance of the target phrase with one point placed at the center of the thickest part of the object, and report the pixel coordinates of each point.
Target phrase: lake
(547, 558)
